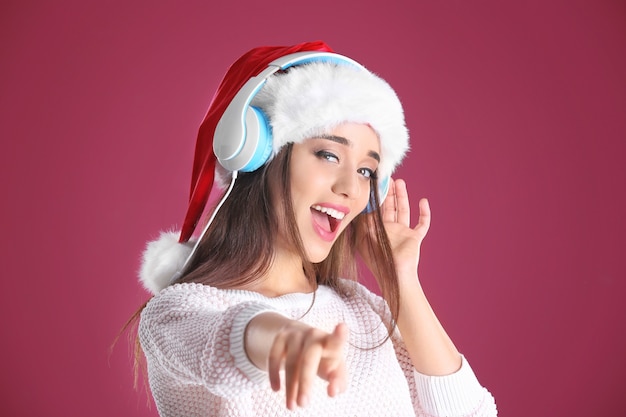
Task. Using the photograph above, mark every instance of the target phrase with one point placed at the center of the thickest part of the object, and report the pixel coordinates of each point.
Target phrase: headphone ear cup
(383, 189)
(259, 134)
(251, 148)
(242, 140)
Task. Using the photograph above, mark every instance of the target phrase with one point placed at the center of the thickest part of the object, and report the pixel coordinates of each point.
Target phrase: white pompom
(162, 260)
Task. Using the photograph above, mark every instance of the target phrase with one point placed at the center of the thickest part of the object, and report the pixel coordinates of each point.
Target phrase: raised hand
(430, 348)
(405, 241)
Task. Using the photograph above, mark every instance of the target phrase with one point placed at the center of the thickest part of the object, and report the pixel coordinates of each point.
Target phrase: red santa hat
(303, 102)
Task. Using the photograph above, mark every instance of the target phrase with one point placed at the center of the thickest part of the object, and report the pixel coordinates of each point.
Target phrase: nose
(347, 183)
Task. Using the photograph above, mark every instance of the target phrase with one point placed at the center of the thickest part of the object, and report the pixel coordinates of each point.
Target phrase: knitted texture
(192, 336)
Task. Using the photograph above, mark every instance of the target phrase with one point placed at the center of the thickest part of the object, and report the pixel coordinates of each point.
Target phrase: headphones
(243, 136)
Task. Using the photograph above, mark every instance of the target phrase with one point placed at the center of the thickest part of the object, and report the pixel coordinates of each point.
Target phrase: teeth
(336, 214)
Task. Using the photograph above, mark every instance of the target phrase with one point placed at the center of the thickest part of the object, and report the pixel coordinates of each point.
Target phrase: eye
(328, 156)
(367, 173)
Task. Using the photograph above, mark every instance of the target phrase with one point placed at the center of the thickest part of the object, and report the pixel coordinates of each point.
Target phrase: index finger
(336, 376)
(423, 223)
(337, 339)
(403, 206)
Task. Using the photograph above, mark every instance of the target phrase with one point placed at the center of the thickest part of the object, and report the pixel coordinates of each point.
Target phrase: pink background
(517, 112)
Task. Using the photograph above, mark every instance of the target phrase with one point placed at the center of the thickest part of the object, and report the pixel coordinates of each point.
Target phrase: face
(330, 184)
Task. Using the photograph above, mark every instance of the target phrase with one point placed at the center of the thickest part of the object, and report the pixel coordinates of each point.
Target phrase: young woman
(265, 315)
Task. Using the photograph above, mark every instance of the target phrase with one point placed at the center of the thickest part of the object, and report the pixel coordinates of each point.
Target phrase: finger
(335, 373)
(337, 339)
(424, 221)
(292, 371)
(319, 353)
(389, 205)
(275, 360)
(310, 362)
(403, 206)
(337, 380)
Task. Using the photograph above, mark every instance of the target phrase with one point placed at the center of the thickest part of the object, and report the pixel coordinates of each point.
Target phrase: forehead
(360, 137)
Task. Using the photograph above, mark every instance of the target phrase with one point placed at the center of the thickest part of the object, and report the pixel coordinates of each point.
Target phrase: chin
(317, 256)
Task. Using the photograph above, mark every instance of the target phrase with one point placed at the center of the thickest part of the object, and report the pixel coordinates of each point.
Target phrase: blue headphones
(243, 137)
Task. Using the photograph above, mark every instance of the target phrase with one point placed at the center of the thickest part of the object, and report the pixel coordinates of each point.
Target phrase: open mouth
(327, 218)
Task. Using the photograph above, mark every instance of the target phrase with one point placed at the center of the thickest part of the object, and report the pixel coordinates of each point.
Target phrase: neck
(285, 276)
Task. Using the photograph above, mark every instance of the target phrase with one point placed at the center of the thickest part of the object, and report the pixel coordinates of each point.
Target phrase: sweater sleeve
(194, 341)
(459, 394)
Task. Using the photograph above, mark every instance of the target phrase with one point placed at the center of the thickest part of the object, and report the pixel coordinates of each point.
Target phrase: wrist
(408, 279)
(259, 336)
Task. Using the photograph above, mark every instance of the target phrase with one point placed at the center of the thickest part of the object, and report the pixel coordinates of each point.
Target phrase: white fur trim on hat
(162, 260)
(313, 99)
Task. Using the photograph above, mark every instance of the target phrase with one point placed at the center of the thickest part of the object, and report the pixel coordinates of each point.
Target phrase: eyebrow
(343, 141)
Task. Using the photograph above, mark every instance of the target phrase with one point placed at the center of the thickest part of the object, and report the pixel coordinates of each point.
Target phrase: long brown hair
(239, 245)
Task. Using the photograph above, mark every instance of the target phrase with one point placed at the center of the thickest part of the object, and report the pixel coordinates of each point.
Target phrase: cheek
(307, 183)
(364, 196)
(369, 187)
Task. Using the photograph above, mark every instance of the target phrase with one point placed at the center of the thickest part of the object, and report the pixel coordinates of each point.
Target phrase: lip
(326, 235)
(345, 210)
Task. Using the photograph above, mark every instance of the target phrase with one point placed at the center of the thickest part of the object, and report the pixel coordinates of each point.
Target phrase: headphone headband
(242, 139)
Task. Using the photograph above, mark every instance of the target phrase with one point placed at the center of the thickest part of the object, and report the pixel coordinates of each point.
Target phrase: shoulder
(193, 293)
(358, 295)
(190, 298)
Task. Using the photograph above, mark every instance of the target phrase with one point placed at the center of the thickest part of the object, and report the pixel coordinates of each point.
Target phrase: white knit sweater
(192, 336)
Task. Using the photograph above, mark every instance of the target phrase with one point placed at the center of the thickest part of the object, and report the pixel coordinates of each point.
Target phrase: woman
(265, 315)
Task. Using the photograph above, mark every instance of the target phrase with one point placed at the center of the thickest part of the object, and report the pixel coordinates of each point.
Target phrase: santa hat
(303, 102)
